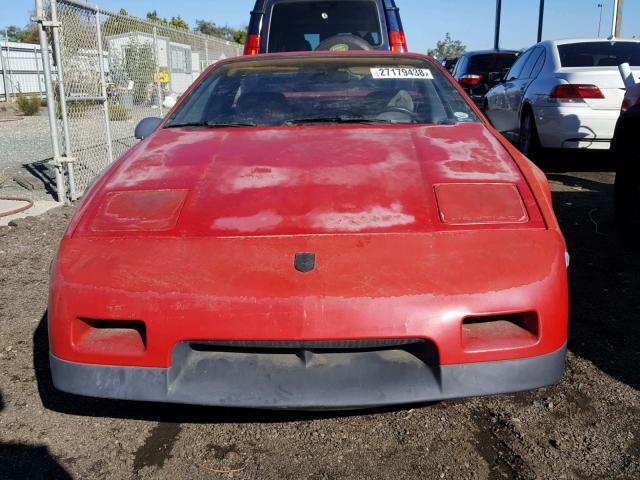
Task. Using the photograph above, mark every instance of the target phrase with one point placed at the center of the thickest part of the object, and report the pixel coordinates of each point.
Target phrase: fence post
(206, 52)
(4, 76)
(8, 65)
(63, 101)
(51, 109)
(35, 57)
(156, 57)
(103, 86)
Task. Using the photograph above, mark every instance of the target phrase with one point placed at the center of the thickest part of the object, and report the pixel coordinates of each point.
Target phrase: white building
(20, 69)
(179, 64)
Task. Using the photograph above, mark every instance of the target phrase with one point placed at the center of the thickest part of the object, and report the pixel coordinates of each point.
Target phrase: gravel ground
(25, 147)
(586, 427)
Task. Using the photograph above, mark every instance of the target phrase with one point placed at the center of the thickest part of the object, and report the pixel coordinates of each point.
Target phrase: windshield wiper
(336, 119)
(210, 125)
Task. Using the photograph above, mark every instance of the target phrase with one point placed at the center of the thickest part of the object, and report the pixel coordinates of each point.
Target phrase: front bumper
(315, 381)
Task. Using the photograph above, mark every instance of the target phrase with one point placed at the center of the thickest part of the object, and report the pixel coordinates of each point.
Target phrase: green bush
(74, 109)
(28, 105)
(117, 113)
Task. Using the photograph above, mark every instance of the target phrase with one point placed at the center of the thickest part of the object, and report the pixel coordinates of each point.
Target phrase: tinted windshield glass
(599, 54)
(302, 26)
(270, 92)
(485, 64)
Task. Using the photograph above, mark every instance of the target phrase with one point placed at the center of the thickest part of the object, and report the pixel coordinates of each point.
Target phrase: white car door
(495, 106)
(498, 99)
(515, 88)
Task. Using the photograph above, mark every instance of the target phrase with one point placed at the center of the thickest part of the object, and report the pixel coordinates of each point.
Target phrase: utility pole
(496, 42)
(540, 21)
(616, 22)
(617, 19)
(601, 7)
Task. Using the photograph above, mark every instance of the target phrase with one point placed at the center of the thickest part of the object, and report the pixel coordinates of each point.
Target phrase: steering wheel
(343, 43)
(406, 111)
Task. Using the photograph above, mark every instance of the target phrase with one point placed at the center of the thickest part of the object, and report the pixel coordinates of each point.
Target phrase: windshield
(599, 54)
(303, 26)
(297, 90)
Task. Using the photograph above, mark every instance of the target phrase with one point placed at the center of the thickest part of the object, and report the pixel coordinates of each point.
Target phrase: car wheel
(529, 143)
(344, 43)
(627, 195)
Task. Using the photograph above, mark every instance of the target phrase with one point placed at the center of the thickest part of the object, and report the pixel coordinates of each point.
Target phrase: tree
(29, 34)
(154, 17)
(228, 33)
(179, 22)
(448, 48)
(175, 22)
(240, 36)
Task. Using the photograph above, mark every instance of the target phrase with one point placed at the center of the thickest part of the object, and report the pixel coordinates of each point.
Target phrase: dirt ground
(587, 427)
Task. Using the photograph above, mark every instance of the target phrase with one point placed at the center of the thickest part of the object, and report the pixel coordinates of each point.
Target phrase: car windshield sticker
(461, 115)
(401, 72)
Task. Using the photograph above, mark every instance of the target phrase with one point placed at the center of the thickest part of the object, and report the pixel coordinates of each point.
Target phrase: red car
(625, 150)
(319, 230)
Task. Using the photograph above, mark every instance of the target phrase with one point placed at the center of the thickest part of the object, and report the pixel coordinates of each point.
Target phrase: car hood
(306, 180)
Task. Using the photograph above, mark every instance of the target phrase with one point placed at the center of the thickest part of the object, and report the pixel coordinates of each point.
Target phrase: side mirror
(146, 127)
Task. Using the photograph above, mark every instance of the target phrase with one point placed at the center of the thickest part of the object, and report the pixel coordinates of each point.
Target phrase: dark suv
(338, 25)
(479, 71)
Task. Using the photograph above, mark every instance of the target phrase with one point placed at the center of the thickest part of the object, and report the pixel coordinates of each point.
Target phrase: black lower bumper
(332, 380)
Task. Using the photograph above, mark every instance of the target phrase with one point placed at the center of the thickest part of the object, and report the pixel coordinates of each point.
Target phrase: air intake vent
(500, 332)
(110, 337)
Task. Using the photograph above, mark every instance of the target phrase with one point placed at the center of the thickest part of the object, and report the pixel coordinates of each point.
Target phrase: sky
(425, 21)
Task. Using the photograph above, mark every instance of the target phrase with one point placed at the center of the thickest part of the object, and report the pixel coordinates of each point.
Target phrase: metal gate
(112, 71)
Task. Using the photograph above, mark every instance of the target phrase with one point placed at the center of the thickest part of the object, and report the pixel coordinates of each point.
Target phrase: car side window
(460, 66)
(527, 71)
(537, 68)
(517, 67)
(456, 67)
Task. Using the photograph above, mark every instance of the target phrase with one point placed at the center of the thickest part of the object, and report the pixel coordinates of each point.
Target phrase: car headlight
(139, 211)
(480, 204)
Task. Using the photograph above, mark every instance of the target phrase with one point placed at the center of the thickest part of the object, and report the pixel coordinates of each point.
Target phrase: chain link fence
(114, 70)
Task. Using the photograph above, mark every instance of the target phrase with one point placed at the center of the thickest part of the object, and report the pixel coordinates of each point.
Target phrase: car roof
(327, 54)
(489, 52)
(567, 41)
(260, 4)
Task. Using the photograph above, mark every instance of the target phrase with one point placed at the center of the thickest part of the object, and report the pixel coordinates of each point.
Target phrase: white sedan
(563, 94)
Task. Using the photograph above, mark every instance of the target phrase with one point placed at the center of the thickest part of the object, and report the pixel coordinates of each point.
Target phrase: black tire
(344, 43)
(627, 194)
(529, 141)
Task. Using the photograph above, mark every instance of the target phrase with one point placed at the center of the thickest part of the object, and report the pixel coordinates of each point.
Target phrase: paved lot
(587, 427)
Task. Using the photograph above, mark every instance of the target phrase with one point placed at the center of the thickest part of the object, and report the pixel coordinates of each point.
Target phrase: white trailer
(21, 70)
(178, 63)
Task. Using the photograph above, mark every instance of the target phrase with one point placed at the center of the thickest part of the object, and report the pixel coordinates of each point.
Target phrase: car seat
(266, 108)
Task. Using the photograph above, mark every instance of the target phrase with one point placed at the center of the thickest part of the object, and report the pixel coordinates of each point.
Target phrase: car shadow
(604, 276)
(19, 461)
(62, 402)
(560, 161)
